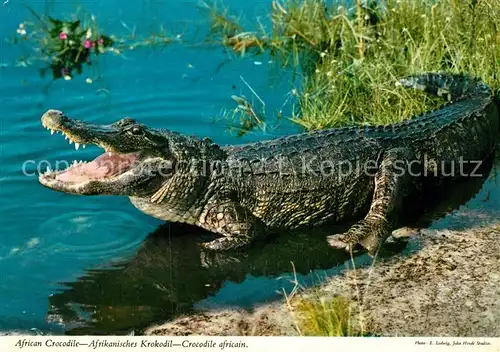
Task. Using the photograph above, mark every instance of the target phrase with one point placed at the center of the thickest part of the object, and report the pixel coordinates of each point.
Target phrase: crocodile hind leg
(238, 226)
(392, 181)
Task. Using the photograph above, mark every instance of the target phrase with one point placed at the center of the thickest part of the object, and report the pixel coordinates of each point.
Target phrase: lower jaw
(135, 181)
(102, 169)
(83, 185)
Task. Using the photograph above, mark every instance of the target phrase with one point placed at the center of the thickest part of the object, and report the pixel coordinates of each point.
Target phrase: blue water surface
(66, 261)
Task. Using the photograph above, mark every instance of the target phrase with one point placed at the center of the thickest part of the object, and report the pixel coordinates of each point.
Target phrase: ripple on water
(90, 235)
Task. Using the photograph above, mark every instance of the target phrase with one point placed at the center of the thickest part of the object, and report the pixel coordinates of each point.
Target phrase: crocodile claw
(340, 242)
(369, 236)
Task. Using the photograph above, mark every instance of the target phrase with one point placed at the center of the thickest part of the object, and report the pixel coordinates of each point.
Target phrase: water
(72, 264)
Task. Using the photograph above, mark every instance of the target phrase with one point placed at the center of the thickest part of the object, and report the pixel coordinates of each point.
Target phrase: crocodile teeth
(110, 154)
(51, 132)
(48, 169)
(66, 137)
(77, 145)
(70, 141)
(83, 145)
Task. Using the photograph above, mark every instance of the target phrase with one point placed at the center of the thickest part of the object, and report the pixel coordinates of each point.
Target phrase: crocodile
(363, 174)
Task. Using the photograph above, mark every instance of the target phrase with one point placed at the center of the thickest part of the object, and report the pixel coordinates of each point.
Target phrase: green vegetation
(66, 46)
(351, 56)
(317, 315)
(325, 317)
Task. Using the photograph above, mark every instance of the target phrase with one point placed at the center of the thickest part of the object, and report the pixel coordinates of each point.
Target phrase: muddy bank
(451, 287)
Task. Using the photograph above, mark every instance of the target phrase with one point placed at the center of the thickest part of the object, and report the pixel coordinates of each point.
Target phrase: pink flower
(63, 36)
(100, 41)
(87, 44)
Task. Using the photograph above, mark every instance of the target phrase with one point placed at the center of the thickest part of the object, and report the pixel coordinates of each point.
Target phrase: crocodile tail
(450, 86)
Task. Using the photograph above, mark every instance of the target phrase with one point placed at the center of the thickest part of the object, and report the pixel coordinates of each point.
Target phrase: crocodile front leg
(238, 226)
(392, 180)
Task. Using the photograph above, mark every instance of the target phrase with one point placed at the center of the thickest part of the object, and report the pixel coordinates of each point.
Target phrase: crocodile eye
(136, 130)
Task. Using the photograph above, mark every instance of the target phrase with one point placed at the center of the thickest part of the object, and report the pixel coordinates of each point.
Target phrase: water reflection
(169, 274)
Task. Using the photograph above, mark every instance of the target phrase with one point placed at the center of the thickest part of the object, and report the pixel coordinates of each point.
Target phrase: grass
(320, 316)
(349, 58)
(315, 314)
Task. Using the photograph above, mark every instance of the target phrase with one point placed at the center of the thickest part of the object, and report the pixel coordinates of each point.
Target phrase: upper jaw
(78, 132)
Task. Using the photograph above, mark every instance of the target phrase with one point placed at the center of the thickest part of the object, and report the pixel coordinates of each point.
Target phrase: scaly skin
(302, 180)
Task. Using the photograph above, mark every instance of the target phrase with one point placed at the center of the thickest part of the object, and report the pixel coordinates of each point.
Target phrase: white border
(204, 343)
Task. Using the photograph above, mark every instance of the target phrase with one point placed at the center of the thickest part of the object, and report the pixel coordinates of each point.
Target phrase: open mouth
(106, 167)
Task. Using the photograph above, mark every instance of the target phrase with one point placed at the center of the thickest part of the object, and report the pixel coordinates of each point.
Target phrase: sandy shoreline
(451, 287)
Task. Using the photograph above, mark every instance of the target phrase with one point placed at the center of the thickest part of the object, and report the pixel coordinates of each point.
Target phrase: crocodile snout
(53, 119)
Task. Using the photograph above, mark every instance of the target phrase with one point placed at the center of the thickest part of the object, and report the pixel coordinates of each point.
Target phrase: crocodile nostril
(54, 119)
(55, 113)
